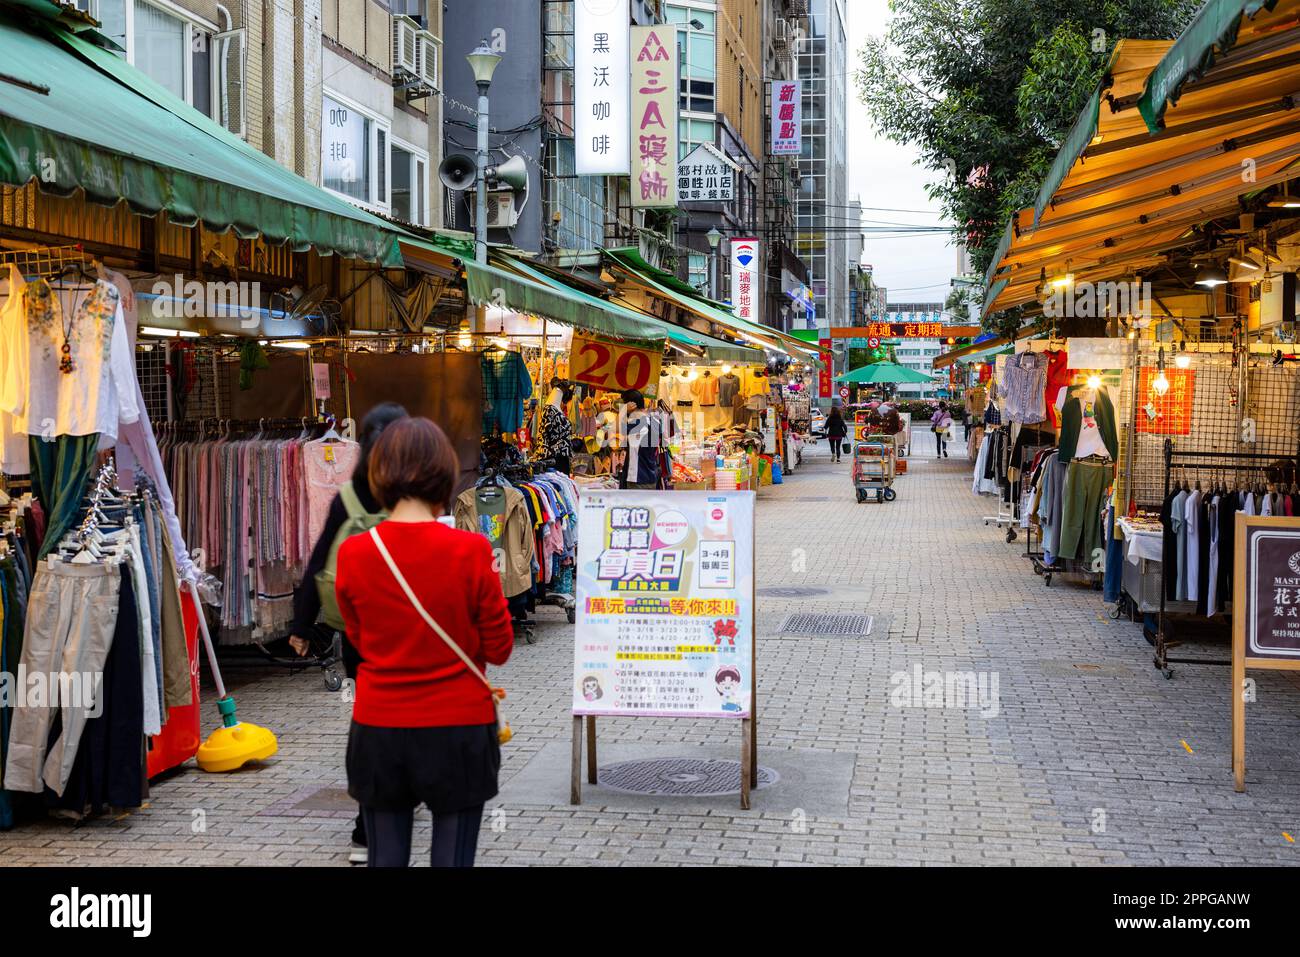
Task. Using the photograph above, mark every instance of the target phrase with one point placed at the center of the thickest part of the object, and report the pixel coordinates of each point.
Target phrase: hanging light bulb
(726, 369)
(1160, 384)
(1094, 381)
(1183, 360)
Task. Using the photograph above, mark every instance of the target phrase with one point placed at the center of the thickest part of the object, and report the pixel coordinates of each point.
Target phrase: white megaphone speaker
(512, 173)
(457, 171)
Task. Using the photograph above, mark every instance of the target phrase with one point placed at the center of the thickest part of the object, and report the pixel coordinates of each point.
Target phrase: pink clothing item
(329, 465)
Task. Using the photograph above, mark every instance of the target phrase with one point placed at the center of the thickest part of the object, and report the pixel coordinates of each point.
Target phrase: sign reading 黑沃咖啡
(654, 116)
(1265, 612)
(601, 98)
(665, 604)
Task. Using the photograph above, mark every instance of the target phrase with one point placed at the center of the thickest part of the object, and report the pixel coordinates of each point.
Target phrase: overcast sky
(884, 174)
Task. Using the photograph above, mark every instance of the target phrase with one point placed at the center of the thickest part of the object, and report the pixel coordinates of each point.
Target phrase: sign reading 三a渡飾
(614, 366)
(665, 614)
(601, 102)
(787, 117)
(704, 174)
(746, 287)
(654, 116)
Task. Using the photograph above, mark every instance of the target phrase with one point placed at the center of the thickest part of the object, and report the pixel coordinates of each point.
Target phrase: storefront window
(408, 185)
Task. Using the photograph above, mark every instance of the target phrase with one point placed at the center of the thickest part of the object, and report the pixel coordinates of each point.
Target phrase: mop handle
(207, 640)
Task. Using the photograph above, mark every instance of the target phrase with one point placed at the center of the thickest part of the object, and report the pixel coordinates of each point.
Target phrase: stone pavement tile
(1081, 766)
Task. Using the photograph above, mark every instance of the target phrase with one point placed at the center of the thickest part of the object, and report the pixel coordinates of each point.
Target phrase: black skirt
(450, 769)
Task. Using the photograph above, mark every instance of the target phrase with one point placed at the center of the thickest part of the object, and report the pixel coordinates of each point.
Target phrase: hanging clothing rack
(1257, 463)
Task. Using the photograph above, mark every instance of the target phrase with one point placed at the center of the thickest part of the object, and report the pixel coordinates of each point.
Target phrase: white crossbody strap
(428, 619)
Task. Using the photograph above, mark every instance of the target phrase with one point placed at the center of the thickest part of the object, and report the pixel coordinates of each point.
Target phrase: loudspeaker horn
(457, 171)
(512, 173)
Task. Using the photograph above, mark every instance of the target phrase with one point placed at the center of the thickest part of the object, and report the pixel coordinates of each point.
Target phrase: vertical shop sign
(602, 112)
(1265, 612)
(786, 120)
(654, 116)
(745, 284)
(825, 378)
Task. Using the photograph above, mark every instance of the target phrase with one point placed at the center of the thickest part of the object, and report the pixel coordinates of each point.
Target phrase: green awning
(490, 286)
(883, 373)
(81, 118)
(1212, 32)
(672, 288)
(1076, 141)
(713, 348)
(1008, 236)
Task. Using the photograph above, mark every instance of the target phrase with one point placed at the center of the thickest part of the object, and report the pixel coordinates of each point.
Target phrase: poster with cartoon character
(665, 616)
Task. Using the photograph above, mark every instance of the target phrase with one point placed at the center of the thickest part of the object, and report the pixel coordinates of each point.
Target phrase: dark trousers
(939, 443)
(455, 837)
(836, 445)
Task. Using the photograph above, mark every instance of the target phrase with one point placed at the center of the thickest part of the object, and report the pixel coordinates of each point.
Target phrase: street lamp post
(714, 237)
(483, 61)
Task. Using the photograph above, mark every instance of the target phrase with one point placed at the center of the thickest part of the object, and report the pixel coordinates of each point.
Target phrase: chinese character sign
(1171, 413)
(746, 282)
(654, 116)
(705, 175)
(1273, 590)
(665, 593)
(825, 378)
(601, 115)
(787, 117)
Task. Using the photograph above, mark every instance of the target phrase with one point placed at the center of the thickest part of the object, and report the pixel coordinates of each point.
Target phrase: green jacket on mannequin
(1072, 422)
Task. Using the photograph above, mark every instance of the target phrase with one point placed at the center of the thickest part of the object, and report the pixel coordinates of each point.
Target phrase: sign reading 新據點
(665, 616)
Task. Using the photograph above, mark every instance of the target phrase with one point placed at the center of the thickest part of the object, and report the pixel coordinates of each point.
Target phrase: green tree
(985, 90)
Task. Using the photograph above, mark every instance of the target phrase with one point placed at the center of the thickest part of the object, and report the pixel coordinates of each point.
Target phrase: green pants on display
(1085, 489)
(60, 470)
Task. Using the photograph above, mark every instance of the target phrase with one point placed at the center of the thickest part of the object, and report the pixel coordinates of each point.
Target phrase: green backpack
(358, 522)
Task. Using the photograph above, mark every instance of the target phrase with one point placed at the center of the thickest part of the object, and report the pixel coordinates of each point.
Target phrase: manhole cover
(792, 592)
(680, 777)
(828, 626)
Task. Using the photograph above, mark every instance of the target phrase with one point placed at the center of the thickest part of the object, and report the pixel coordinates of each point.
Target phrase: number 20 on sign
(614, 366)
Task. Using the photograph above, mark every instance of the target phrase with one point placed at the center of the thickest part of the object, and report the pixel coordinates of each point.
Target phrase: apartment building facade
(823, 215)
(342, 92)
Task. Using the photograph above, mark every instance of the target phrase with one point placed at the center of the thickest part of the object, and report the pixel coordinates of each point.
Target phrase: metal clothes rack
(1006, 511)
(1214, 462)
(43, 260)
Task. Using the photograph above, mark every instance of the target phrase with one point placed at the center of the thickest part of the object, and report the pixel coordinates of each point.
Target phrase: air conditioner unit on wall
(404, 54)
(426, 59)
(501, 212)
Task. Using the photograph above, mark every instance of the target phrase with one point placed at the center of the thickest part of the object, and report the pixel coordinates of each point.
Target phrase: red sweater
(408, 677)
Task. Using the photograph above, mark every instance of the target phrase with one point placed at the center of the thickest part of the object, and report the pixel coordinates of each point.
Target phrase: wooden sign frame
(1242, 603)
(748, 726)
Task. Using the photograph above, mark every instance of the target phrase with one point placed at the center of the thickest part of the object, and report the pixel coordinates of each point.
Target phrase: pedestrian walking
(424, 727)
(941, 425)
(836, 431)
(356, 501)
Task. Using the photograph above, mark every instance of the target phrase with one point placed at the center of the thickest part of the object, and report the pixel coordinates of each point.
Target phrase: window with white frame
(410, 184)
(354, 153)
(168, 43)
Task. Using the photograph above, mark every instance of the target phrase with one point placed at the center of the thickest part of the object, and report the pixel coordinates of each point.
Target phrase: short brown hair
(413, 458)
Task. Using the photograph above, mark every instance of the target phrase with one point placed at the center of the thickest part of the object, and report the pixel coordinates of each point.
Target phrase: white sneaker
(358, 854)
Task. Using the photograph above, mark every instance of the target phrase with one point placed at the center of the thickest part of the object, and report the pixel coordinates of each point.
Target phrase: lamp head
(483, 61)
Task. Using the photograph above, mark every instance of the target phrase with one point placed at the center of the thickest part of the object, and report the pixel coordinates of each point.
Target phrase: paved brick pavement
(1080, 765)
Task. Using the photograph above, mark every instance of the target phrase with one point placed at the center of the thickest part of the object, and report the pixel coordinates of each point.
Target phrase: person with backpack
(355, 509)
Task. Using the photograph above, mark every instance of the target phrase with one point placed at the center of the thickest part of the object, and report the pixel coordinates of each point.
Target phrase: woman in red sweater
(423, 724)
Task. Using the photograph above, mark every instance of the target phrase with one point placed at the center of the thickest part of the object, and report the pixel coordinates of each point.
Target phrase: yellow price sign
(614, 366)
